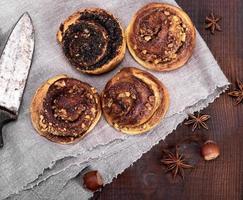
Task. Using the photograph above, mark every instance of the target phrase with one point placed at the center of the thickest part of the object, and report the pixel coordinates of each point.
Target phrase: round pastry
(93, 40)
(161, 37)
(65, 109)
(134, 101)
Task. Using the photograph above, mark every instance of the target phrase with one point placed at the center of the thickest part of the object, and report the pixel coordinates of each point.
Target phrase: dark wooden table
(214, 180)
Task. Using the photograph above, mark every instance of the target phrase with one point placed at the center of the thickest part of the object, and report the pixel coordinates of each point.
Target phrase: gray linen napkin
(29, 161)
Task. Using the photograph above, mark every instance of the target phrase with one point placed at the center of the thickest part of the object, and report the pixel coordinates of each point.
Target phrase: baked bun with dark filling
(161, 37)
(93, 40)
(65, 109)
(134, 101)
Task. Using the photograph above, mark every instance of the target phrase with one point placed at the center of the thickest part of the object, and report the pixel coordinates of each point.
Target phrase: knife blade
(15, 63)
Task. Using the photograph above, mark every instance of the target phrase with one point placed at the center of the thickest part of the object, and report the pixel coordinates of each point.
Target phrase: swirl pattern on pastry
(161, 37)
(65, 109)
(134, 101)
(92, 40)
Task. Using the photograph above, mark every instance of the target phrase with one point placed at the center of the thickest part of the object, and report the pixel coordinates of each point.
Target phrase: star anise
(237, 93)
(175, 163)
(198, 121)
(212, 23)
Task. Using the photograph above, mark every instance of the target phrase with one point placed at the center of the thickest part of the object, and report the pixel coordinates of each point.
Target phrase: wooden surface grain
(221, 179)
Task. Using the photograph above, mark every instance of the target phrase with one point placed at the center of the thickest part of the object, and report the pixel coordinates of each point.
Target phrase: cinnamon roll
(65, 109)
(93, 40)
(161, 37)
(134, 101)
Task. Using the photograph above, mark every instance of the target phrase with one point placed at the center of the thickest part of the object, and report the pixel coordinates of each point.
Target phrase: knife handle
(5, 117)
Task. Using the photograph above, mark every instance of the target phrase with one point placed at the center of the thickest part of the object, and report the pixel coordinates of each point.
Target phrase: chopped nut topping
(124, 94)
(176, 19)
(170, 45)
(93, 110)
(60, 84)
(151, 98)
(86, 30)
(121, 95)
(166, 13)
(173, 55)
(147, 38)
(94, 90)
(133, 96)
(183, 37)
(144, 51)
(116, 126)
(157, 61)
(90, 96)
(110, 102)
(127, 94)
(148, 106)
(83, 125)
(87, 117)
(61, 113)
(42, 123)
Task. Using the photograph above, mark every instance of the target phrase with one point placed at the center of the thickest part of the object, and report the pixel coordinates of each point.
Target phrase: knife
(15, 63)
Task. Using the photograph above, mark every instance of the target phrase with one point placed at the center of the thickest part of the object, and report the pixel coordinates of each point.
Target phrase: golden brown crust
(161, 37)
(112, 41)
(69, 126)
(134, 101)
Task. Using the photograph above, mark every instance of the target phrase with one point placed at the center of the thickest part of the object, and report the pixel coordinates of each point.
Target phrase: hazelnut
(93, 180)
(210, 150)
